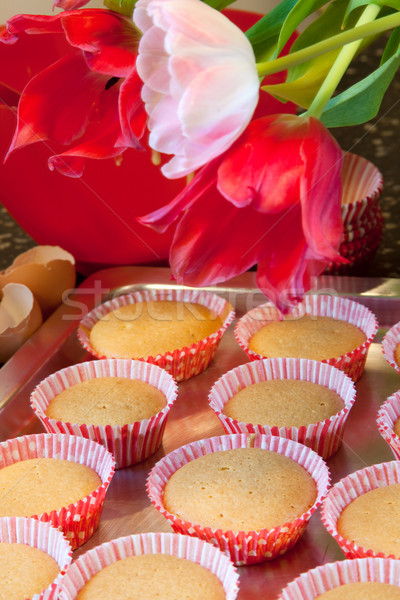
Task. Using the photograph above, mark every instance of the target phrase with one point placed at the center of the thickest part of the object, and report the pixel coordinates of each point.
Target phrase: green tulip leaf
(361, 102)
(218, 4)
(327, 24)
(124, 7)
(264, 34)
(302, 90)
(354, 4)
(392, 46)
(299, 12)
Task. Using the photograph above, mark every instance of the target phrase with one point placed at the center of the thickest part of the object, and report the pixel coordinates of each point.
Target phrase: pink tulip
(90, 98)
(200, 81)
(273, 199)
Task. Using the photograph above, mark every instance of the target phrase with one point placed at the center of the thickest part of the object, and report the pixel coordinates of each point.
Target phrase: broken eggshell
(20, 316)
(48, 271)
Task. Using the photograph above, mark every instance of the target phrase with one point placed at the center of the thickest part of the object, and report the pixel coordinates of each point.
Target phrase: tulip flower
(90, 98)
(201, 85)
(273, 199)
(69, 4)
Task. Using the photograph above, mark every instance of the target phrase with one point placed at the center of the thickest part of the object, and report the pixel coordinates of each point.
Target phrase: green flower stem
(340, 65)
(124, 7)
(332, 43)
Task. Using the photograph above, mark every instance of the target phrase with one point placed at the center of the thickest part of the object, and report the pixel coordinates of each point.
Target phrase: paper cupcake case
(389, 344)
(324, 437)
(370, 225)
(362, 219)
(387, 416)
(182, 363)
(243, 547)
(315, 582)
(362, 185)
(358, 252)
(20, 530)
(200, 552)
(345, 491)
(130, 443)
(352, 363)
(80, 520)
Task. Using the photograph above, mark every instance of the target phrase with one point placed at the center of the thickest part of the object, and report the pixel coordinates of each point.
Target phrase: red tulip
(273, 199)
(90, 98)
(69, 4)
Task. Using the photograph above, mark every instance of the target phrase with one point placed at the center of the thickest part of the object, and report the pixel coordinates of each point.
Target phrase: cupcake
(298, 399)
(330, 329)
(240, 492)
(178, 330)
(361, 512)
(123, 404)
(156, 566)
(391, 347)
(356, 579)
(362, 218)
(57, 478)
(388, 421)
(33, 559)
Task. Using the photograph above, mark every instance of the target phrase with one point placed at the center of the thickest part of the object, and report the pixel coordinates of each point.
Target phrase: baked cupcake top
(37, 485)
(363, 590)
(24, 571)
(150, 328)
(372, 520)
(107, 401)
(153, 577)
(283, 403)
(313, 337)
(269, 489)
(396, 427)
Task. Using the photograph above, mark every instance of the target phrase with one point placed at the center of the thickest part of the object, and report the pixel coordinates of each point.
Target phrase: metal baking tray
(127, 508)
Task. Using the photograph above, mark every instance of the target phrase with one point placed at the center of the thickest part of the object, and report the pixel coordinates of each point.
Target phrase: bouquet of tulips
(244, 116)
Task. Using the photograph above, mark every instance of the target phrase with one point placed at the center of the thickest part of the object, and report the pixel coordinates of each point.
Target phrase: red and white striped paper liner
(182, 363)
(243, 547)
(348, 489)
(316, 582)
(388, 414)
(352, 363)
(362, 185)
(323, 437)
(130, 443)
(389, 345)
(80, 520)
(370, 225)
(358, 252)
(173, 544)
(21, 530)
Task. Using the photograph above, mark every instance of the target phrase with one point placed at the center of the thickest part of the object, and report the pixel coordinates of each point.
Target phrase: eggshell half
(48, 271)
(20, 316)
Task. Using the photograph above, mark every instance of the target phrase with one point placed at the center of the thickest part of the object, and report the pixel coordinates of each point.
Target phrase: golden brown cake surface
(268, 489)
(283, 403)
(150, 328)
(310, 337)
(24, 571)
(107, 401)
(31, 487)
(153, 577)
(373, 520)
(369, 590)
(397, 354)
